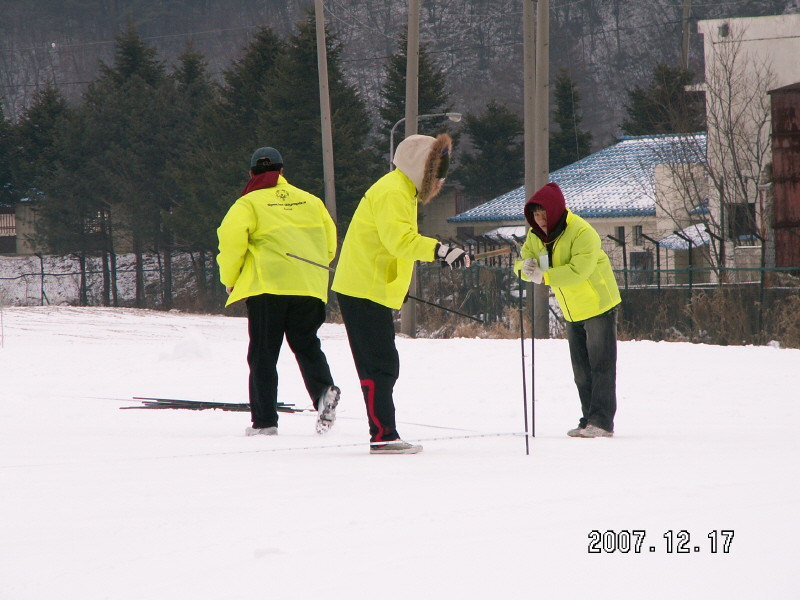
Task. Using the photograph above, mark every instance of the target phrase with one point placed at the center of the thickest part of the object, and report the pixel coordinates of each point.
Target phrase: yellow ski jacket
(382, 243)
(580, 272)
(258, 231)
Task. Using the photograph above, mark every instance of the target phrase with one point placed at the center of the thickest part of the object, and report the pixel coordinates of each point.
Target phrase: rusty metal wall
(786, 174)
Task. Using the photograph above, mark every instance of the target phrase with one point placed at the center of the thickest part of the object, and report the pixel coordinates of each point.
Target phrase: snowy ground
(98, 502)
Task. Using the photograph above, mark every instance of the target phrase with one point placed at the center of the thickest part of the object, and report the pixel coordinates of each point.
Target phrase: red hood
(552, 200)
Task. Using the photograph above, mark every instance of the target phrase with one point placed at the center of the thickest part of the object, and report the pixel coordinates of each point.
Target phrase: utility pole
(325, 111)
(529, 92)
(537, 128)
(408, 315)
(687, 12)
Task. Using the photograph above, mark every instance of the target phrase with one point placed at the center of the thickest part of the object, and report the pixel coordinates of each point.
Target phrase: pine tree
(245, 96)
(498, 163)
(570, 143)
(665, 106)
(133, 58)
(433, 97)
(191, 76)
(115, 156)
(210, 181)
(7, 195)
(34, 138)
(292, 123)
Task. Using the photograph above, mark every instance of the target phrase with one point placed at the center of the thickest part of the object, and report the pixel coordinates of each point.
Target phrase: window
(641, 261)
(637, 235)
(8, 231)
(741, 222)
(619, 233)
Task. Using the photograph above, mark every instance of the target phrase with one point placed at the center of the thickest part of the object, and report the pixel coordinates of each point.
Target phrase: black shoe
(394, 447)
(326, 408)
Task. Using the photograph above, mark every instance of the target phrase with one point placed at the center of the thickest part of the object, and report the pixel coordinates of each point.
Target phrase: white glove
(531, 268)
(452, 257)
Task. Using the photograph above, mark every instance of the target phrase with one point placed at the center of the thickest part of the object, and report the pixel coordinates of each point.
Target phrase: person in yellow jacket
(564, 251)
(374, 274)
(283, 296)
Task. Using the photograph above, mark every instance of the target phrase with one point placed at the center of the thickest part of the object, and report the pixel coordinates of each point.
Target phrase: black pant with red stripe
(370, 331)
(269, 318)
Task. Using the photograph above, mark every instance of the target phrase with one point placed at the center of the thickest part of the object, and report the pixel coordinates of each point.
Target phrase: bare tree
(712, 180)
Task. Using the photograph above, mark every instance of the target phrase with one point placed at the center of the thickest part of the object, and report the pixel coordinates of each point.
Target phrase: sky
(102, 503)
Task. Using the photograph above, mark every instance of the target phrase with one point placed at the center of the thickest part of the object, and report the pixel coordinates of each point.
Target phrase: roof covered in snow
(698, 234)
(617, 181)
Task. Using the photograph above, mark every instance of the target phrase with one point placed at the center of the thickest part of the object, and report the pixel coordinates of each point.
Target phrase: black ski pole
(533, 357)
(524, 379)
(332, 270)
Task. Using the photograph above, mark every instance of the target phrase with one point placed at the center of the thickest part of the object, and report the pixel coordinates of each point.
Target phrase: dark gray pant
(370, 331)
(593, 350)
(269, 318)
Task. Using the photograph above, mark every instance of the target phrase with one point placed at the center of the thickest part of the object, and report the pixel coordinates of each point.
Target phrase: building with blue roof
(635, 191)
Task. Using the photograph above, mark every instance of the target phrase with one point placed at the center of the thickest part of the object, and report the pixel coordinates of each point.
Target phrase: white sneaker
(577, 432)
(592, 431)
(261, 431)
(326, 408)
(394, 447)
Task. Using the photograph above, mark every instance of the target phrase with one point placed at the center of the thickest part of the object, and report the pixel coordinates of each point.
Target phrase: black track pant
(593, 350)
(370, 331)
(269, 317)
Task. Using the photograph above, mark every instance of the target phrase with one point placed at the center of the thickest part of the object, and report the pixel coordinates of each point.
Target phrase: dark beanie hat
(270, 156)
(552, 200)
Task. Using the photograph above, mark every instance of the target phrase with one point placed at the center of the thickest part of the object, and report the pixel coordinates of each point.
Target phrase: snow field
(98, 502)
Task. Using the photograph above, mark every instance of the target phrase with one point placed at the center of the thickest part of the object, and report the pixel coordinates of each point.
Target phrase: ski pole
(533, 359)
(524, 379)
(332, 270)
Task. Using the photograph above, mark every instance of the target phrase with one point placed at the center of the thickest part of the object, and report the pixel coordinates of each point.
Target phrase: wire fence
(736, 306)
(184, 281)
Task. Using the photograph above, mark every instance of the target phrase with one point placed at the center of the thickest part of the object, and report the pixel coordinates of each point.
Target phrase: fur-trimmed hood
(419, 157)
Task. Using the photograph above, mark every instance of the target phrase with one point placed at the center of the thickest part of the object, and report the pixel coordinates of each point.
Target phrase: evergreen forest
(141, 115)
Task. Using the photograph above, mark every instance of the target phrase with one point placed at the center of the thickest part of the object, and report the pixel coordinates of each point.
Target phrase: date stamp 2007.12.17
(680, 542)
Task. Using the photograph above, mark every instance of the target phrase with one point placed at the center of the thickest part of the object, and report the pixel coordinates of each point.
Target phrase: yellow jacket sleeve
(234, 236)
(395, 219)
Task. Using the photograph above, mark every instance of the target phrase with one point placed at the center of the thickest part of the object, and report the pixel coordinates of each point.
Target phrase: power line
(57, 46)
(352, 60)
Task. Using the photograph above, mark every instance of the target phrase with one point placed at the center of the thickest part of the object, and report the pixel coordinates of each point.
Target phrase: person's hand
(452, 256)
(530, 266)
(229, 290)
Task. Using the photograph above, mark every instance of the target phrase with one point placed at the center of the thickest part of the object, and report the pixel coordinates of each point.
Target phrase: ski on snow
(202, 405)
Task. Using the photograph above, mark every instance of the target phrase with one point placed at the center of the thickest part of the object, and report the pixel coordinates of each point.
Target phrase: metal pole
(325, 110)
(529, 90)
(687, 12)
(658, 261)
(761, 288)
(391, 144)
(531, 287)
(621, 242)
(541, 140)
(524, 379)
(41, 292)
(689, 241)
(408, 313)
(722, 273)
(529, 93)
(542, 97)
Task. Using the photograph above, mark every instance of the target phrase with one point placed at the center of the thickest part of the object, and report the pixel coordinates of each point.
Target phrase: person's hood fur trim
(419, 156)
